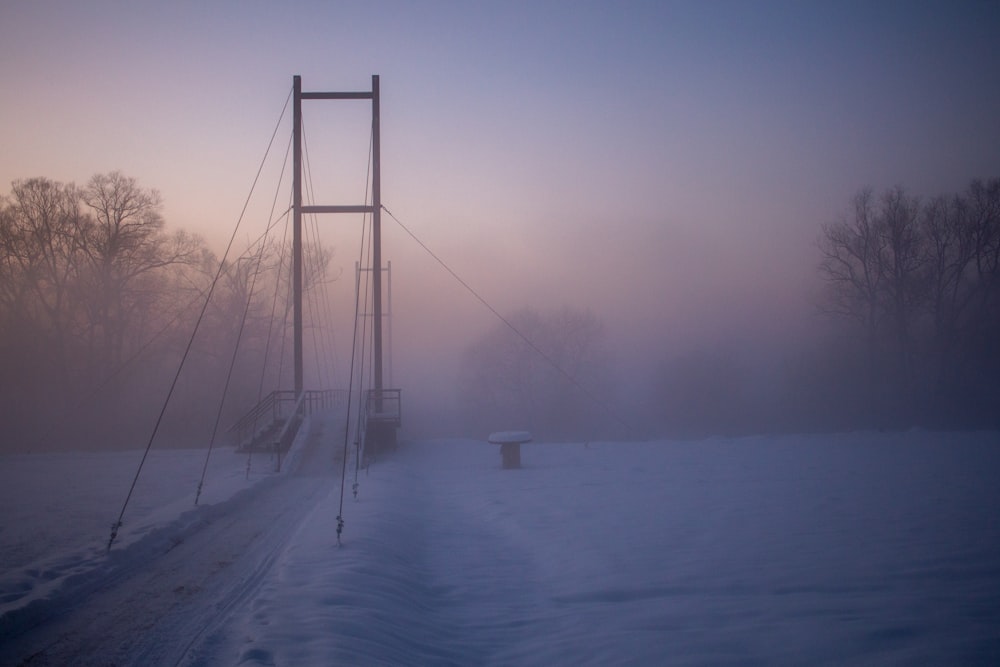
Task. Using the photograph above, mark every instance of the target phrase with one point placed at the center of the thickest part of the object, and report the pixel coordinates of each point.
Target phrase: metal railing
(279, 407)
(384, 406)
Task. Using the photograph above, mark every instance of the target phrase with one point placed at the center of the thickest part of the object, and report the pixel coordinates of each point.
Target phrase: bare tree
(88, 278)
(41, 265)
(950, 247)
(924, 280)
(978, 320)
(874, 264)
(901, 264)
(126, 247)
(982, 218)
(851, 251)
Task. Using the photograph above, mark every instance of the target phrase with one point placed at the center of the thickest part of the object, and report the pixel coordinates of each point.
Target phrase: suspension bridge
(373, 410)
(249, 534)
(272, 424)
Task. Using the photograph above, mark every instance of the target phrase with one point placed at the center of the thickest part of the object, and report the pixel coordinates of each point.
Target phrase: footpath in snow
(58, 508)
(850, 549)
(822, 550)
(174, 571)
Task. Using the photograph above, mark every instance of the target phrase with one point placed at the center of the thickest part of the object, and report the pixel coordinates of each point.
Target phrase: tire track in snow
(368, 602)
(420, 579)
(152, 609)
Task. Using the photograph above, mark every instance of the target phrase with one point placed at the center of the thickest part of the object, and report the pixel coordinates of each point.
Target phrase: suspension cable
(232, 365)
(319, 303)
(350, 395)
(325, 319)
(309, 258)
(361, 434)
(360, 425)
(173, 385)
(284, 328)
(548, 359)
(262, 247)
(270, 329)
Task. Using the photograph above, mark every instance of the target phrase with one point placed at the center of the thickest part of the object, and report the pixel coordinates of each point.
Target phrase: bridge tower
(382, 405)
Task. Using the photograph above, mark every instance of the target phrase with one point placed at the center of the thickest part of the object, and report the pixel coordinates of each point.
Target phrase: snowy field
(856, 549)
(57, 508)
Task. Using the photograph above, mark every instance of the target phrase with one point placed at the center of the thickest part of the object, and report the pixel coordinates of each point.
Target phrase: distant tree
(96, 293)
(950, 282)
(981, 220)
(506, 382)
(873, 264)
(964, 234)
(902, 265)
(41, 264)
(850, 264)
(923, 282)
(126, 250)
(89, 278)
(252, 305)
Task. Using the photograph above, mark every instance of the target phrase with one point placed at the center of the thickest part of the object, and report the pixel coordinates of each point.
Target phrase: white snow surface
(850, 549)
(58, 508)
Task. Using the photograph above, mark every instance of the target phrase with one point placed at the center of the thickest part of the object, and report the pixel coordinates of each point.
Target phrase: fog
(658, 300)
(668, 172)
(573, 330)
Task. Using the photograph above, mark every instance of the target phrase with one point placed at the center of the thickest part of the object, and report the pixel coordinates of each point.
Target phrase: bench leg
(510, 452)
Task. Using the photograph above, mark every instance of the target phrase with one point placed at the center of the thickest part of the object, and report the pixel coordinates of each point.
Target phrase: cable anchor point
(114, 533)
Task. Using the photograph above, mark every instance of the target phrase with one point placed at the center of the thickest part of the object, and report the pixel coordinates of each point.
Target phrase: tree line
(910, 337)
(98, 301)
(907, 335)
(917, 285)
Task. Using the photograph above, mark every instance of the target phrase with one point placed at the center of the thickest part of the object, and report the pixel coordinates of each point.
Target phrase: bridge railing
(385, 406)
(277, 408)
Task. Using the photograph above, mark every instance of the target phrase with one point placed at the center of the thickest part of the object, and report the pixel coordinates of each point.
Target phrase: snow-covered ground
(57, 508)
(837, 549)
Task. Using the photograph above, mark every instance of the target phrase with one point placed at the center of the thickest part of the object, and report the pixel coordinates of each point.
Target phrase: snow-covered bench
(510, 446)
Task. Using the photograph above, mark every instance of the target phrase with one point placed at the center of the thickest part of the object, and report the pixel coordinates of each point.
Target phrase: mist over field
(690, 322)
(664, 199)
(98, 318)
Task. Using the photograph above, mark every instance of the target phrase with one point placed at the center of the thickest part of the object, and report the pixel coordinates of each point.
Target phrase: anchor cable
(354, 344)
(360, 425)
(313, 266)
(229, 372)
(360, 432)
(270, 330)
(552, 362)
(187, 350)
(262, 247)
(350, 396)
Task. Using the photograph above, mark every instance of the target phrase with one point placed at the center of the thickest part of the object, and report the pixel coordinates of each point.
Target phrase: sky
(667, 165)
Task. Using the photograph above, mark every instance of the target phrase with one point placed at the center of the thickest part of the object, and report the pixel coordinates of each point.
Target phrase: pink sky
(667, 165)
